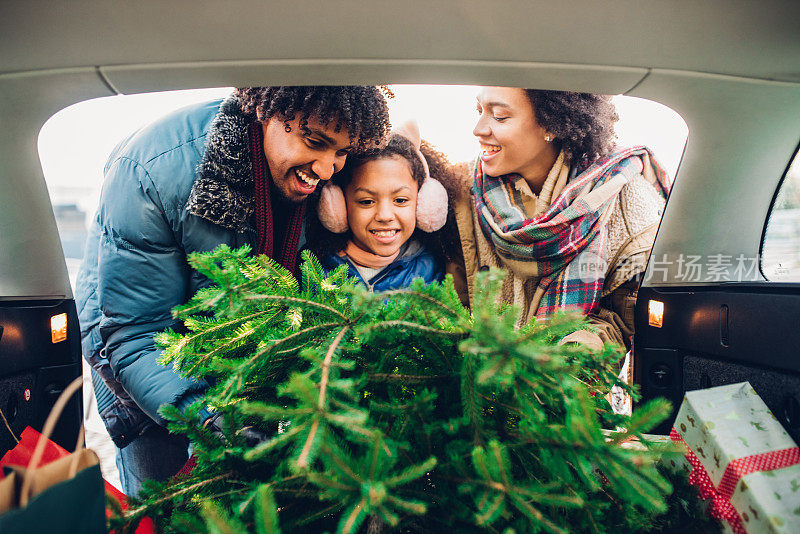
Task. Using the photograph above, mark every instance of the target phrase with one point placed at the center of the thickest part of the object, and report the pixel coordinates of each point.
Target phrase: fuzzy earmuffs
(431, 198)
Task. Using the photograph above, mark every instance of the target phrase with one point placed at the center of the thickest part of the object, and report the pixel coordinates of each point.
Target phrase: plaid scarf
(564, 246)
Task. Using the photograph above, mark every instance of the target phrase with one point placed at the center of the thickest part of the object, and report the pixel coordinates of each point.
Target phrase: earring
(548, 138)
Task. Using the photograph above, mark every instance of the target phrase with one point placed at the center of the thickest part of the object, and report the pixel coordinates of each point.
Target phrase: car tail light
(58, 327)
(656, 313)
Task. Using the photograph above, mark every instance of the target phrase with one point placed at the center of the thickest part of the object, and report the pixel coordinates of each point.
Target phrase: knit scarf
(233, 185)
(564, 246)
(366, 258)
(264, 213)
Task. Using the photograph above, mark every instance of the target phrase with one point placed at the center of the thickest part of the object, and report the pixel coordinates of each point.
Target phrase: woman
(551, 200)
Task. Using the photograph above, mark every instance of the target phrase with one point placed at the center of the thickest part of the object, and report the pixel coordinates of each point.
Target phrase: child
(376, 204)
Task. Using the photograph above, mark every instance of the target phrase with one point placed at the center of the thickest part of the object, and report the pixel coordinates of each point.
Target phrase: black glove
(252, 436)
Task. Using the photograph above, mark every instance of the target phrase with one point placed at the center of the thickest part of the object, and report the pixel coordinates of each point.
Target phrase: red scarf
(265, 228)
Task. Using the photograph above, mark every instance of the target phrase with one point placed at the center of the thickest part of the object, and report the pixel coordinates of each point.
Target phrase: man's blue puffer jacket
(412, 262)
(135, 271)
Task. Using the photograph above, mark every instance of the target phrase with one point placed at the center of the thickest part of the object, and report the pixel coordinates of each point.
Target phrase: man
(234, 172)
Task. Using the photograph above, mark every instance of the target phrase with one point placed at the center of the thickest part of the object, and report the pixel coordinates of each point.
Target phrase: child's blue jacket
(414, 261)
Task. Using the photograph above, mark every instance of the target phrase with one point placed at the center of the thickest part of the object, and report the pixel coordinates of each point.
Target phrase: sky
(75, 142)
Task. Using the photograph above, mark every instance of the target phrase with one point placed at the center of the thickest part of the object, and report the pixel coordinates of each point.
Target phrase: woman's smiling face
(511, 139)
(381, 203)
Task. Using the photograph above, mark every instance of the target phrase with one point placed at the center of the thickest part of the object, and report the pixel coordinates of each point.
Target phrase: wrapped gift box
(742, 459)
(675, 462)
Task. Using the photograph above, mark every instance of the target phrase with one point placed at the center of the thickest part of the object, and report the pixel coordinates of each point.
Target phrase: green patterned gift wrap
(742, 458)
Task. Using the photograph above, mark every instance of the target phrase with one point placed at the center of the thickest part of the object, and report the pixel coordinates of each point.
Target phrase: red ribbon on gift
(720, 506)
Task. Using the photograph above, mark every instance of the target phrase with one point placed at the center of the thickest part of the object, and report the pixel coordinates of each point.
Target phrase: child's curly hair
(323, 242)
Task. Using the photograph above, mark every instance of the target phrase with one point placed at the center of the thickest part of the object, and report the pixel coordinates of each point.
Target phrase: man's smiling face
(298, 159)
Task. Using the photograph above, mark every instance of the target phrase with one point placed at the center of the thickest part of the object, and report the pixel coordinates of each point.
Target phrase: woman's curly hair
(322, 242)
(582, 122)
(361, 110)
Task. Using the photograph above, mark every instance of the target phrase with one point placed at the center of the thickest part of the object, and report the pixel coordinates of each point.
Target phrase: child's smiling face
(381, 203)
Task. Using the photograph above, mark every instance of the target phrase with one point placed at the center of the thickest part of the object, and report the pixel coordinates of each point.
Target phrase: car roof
(731, 70)
(749, 39)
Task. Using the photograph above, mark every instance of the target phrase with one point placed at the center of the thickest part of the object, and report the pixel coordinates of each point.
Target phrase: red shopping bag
(21, 455)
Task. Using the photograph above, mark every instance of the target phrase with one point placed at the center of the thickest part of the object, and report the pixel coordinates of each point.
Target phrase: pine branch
(407, 325)
(205, 333)
(302, 460)
(417, 295)
(301, 302)
(266, 511)
(389, 409)
(238, 376)
(406, 379)
(133, 514)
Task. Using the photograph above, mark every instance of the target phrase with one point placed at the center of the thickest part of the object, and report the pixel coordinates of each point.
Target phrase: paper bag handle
(47, 431)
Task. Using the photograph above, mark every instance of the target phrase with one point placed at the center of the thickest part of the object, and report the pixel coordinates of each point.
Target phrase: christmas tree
(399, 411)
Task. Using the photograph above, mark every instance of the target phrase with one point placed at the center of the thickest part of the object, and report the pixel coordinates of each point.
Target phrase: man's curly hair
(361, 110)
(583, 123)
(322, 242)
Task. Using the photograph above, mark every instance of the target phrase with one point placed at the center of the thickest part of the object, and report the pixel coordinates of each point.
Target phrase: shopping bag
(22, 453)
(65, 495)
